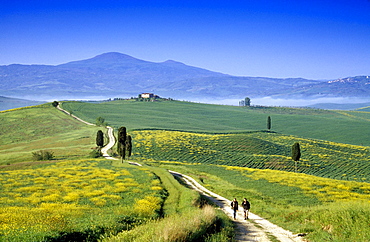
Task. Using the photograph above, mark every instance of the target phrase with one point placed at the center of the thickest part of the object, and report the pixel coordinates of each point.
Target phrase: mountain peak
(172, 62)
(105, 59)
(114, 56)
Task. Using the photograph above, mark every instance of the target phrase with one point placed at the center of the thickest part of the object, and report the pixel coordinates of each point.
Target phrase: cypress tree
(268, 122)
(129, 145)
(296, 154)
(118, 148)
(122, 136)
(100, 139)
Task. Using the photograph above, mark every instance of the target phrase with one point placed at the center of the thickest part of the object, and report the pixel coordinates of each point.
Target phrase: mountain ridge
(114, 74)
(109, 57)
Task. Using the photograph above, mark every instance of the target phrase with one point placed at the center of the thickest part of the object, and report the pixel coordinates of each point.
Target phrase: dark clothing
(246, 205)
(234, 205)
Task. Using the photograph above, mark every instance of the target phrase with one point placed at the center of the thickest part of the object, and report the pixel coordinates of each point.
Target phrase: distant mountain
(358, 86)
(118, 75)
(10, 103)
(344, 106)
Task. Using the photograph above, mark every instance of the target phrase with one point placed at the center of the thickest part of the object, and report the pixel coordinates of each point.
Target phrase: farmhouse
(147, 95)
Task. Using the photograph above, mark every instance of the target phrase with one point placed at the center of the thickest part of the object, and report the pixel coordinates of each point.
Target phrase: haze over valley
(113, 74)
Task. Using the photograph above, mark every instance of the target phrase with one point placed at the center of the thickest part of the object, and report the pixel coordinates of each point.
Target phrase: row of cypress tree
(124, 142)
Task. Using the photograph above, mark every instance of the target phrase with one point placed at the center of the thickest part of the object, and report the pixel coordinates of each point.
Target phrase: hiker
(246, 206)
(234, 206)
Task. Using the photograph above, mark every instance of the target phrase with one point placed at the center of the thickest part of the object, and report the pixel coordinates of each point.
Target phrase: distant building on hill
(147, 95)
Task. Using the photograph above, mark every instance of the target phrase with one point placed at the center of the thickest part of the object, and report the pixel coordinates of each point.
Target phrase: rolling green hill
(210, 136)
(340, 106)
(10, 103)
(350, 127)
(241, 138)
(259, 150)
(364, 109)
(67, 198)
(26, 130)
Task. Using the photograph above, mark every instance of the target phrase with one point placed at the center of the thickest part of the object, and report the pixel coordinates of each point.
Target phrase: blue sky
(292, 38)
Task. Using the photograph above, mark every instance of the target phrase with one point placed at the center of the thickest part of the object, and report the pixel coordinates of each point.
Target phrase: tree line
(124, 143)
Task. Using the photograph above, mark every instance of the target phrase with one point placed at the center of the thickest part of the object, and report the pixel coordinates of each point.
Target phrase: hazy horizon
(255, 101)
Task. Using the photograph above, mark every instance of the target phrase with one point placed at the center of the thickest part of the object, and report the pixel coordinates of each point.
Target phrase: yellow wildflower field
(325, 189)
(262, 150)
(73, 196)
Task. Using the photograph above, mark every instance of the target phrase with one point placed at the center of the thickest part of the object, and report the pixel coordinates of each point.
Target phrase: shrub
(43, 155)
(55, 104)
(100, 121)
(95, 153)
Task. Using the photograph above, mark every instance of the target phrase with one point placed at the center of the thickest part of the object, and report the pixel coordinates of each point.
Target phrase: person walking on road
(234, 206)
(246, 206)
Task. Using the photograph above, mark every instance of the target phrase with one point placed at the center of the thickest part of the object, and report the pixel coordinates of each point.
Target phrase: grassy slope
(10, 103)
(33, 130)
(164, 115)
(365, 109)
(262, 150)
(26, 130)
(338, 126)
(337, 212)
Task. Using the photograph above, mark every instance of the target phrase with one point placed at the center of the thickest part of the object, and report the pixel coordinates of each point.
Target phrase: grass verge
(192, 224)
(330, 217)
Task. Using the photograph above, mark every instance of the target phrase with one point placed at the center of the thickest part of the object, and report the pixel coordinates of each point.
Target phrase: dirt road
(73, 116)
(254, 229)
(110, 144)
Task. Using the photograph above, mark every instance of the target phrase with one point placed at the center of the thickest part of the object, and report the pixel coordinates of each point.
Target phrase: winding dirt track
(73, 116)
(254, 229)
(247, 231)
(110, 144)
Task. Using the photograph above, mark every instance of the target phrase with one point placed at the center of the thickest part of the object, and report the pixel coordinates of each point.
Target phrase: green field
(229, 135)
(262, 150)
(80, 196)
(26, 130)
(325, 209)
(73, 197)
(225, 148)
(365, 109)
(349, 127)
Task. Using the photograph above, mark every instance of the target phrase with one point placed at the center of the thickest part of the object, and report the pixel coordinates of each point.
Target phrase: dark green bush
(95, 153)
(43, 155)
